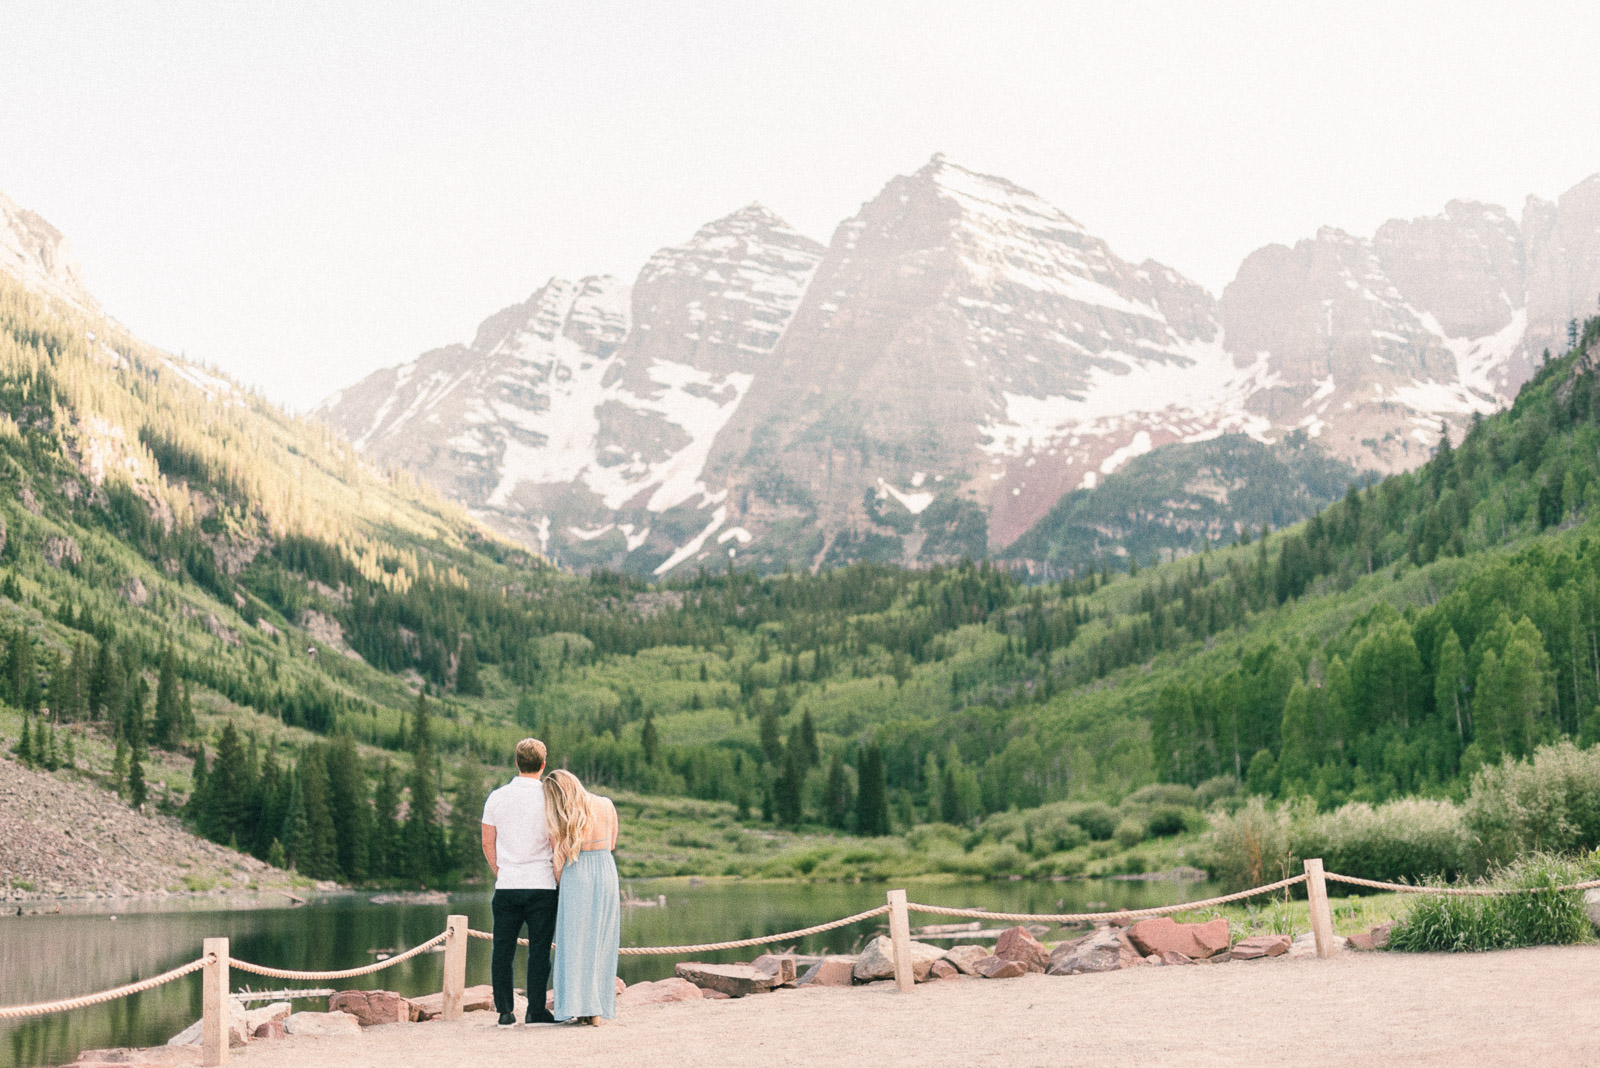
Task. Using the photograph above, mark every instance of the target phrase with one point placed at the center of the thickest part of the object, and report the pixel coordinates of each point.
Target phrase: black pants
(513, 909)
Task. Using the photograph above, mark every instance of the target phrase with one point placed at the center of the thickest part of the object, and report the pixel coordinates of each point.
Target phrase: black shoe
(541, 1016)
(507, 1019)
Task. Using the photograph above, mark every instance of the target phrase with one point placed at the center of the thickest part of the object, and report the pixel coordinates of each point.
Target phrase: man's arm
(489, 833)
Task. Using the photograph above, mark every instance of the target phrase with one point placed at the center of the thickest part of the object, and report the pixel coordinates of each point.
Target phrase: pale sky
(300, 193)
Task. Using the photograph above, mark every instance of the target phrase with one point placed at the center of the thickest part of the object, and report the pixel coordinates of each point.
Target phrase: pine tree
(872, 797)
(275, 855)
(136, 784)
(295, 827)
(839, 799)
(423, 836)
(351, 811)
(271, 804)
(23, 675)
(650, 739)
(810, 755)
(788, 791)
(119, 765)
(228, 791)
(1298, 758)
(385, 859)
(197, 791)
(466, 821)
(771, 740)
(467, 682)
(168, 726)
(317, 847)
(24, 746)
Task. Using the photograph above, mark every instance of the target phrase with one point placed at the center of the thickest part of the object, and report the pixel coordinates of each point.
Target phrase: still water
(91, 946)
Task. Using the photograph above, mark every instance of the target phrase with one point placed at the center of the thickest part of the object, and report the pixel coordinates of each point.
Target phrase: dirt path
(1521, 1007)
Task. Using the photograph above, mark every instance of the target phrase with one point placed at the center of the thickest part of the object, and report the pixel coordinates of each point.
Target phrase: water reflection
(87, 948)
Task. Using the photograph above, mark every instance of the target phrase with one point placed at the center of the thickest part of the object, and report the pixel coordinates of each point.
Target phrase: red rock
(1259, 947)
(1194, 940)
(1018, 945)
(999, 968)
(660, 992)
(621, 986)
(1154, 958)
(734, 980)
(715, 995)
(270, 1029)
(830, 971)
(473, 999)
(1172, 956)
(373, 1007)
(1377, 938)
(943, 969)
(779, 966)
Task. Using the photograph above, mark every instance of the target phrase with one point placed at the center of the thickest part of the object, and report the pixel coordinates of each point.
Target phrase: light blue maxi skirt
(588, 932)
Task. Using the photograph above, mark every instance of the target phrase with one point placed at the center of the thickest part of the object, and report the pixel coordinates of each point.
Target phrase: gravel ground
(1519, 1007)
(66, 839)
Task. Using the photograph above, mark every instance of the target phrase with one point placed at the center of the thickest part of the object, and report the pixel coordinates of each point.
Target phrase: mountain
(959, 356)
(1168, 502)
(36, 254)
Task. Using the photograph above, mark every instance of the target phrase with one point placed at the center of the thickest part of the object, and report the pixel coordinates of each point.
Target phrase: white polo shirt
(522, 843)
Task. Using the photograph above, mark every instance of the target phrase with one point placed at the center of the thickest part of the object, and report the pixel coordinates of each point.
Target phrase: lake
(91, 946)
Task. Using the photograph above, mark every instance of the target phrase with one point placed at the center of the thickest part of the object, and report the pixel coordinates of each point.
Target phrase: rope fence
(44, 1008)
(216, 961)
(1458, 891)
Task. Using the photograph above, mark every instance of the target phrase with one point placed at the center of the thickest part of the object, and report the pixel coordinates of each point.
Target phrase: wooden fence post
(455, 966)
(1321, 913)
(900, 935)
(214, 1005)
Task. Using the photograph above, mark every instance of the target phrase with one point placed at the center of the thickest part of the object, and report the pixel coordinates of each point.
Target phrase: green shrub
(1052, 830)
(1098, 820)
(1250, 847)
(1168, 820)
(1211, 791)
(1130, 832)
(1550, 802)
(1406, 840)
(1163, 793)
(1543, 917)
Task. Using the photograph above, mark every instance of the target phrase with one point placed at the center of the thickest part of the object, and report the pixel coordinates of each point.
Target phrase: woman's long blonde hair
(566, 814)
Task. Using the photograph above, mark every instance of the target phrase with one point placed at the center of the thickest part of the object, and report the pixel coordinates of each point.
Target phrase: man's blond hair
(530, 756)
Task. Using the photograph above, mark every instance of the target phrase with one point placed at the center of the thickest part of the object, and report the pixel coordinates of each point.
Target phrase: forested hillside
(186, 570)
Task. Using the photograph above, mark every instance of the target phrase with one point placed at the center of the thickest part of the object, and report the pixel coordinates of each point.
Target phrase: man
(517, 847)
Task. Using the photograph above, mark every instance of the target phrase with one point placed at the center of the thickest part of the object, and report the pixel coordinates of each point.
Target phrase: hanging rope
(1108, 917)
(41, 1008)
(740, 943)
(347, 973)
(1455, 891)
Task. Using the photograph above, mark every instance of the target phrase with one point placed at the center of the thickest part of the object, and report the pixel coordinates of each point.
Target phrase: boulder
(1000, 968)
(877, 960)
(734, 980)
(1306, 945)
(325, 1024)
(373, 1007)
(473, 999)
(270, 1029)
(621, 986)
(1591, 907)
(1104, 949)
(239, 1030)
(1258, 947)
(1195, 940)
(1153, 959)
(779, 966)
(660, 992)
(277, 1012)
(829, 971)
(715, 995)
(943, 969)
(964, 957)
(1172, 956)
(1377, 938)
(1018, 945)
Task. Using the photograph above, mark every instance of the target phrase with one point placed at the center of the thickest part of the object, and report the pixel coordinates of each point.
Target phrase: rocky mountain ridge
(959, 356)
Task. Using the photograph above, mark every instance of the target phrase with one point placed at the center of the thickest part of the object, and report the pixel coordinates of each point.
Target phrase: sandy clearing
(1523, 1007)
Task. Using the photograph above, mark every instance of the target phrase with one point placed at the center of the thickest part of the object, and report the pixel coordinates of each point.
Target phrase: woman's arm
(615, 822)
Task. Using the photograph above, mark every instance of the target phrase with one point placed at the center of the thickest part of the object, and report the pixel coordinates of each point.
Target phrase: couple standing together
(540, 833)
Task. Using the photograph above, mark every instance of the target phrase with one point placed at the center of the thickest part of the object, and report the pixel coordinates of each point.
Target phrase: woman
(583, 831)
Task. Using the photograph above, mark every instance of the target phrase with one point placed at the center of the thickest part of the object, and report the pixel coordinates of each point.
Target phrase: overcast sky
(300, 193)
